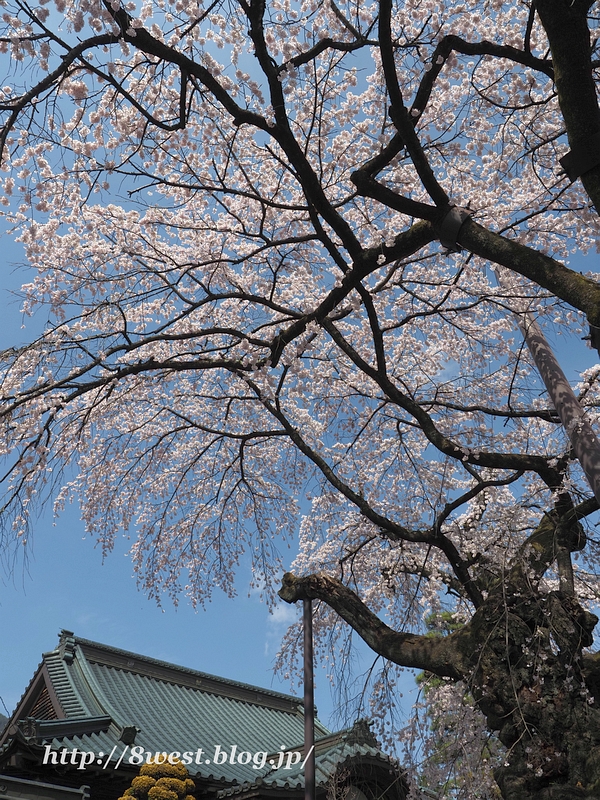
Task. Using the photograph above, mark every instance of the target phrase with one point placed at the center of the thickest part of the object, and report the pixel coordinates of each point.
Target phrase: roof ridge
(359, 733)
(70, 636)
(343, 747)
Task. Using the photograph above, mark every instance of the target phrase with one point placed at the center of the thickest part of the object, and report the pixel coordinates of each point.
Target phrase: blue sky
(68, 586)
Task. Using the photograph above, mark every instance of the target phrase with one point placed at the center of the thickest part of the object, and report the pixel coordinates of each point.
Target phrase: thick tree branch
(326, 43)
(442, 656)
(367, 261)
(283, 134)
(141, 39)
(446, 445)
(399, 112)
(558, 530)
(572, 287)
(548, 415)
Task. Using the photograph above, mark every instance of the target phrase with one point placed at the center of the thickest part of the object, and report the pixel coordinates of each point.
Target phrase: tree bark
(520, 657)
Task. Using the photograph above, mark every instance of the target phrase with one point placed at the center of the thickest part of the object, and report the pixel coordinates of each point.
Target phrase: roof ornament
(128, 734)
(67, 646)
(28, 728)
(361, 733)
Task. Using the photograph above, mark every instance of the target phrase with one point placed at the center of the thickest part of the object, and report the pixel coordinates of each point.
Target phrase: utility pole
(309, 705)
(584, 440)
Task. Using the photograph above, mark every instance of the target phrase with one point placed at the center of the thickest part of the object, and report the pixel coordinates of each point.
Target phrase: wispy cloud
(279, 620)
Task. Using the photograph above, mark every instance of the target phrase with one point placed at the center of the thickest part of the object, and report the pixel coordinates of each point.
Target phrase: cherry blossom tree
(280, 247)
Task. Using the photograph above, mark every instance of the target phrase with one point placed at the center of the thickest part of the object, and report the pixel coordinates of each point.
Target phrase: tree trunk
(528, 680)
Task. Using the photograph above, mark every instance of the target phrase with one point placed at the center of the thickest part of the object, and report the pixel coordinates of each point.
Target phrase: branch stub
(449, 228)
(583, 157)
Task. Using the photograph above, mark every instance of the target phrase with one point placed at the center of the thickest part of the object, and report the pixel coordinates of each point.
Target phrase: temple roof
(98, 698)
(353, 749)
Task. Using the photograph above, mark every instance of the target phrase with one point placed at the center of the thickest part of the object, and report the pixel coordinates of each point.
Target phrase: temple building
(93, 714)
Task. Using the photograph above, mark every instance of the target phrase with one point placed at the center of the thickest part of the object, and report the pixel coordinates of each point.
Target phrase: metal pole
(580, 432)
(309, 705)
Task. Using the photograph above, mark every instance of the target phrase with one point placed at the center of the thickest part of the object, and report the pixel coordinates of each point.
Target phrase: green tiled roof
(102, 691)
(331, 752)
